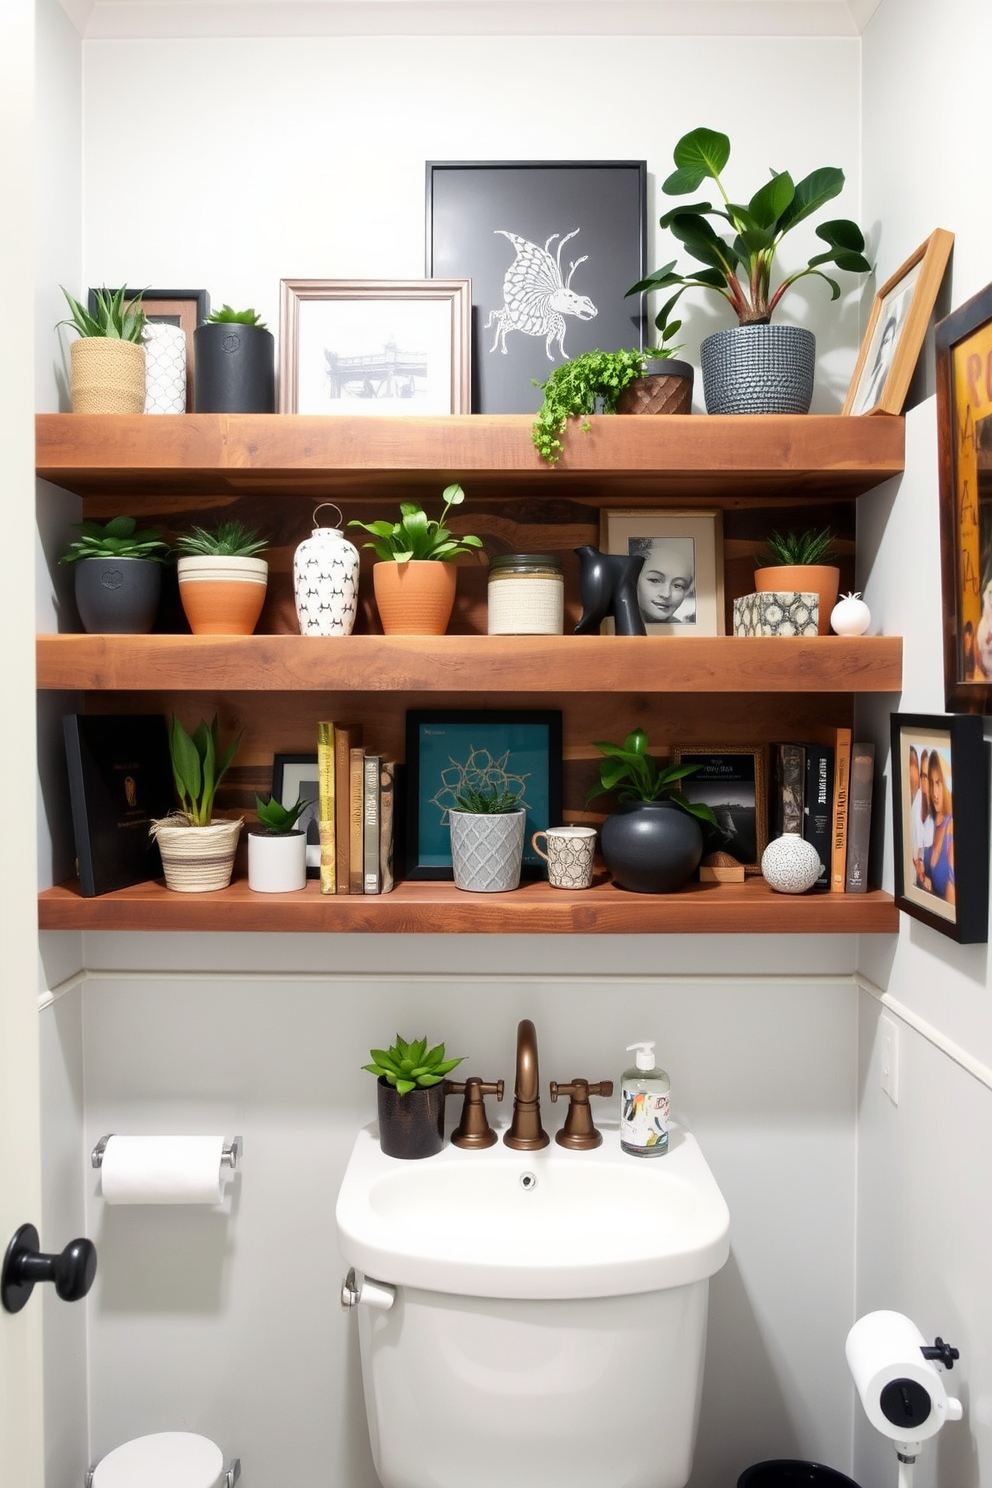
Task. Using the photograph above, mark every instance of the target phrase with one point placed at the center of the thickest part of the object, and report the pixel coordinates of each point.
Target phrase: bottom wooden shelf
(751, 908)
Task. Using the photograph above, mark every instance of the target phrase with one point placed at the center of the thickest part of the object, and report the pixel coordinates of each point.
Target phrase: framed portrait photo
(375, 346)
(185, 308)
(447, 750)
(294, 777)
(896, 329)
(940, 822)
(551, 248)
(680, 585)
(733, 781)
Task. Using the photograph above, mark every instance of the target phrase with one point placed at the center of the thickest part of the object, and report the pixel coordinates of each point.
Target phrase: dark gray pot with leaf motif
(118, 596)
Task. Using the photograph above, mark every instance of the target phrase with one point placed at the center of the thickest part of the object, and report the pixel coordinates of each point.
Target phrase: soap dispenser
(644, 1101)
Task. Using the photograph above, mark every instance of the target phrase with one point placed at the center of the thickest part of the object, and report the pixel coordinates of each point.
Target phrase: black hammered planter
(651, 847)
(235, 368)
(411, 1125)
(118, 596)
(758, 369)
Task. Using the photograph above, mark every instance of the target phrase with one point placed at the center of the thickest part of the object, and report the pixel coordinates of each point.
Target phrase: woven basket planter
(758, 369)
(106, 376)
(196, 860)
(667, 390)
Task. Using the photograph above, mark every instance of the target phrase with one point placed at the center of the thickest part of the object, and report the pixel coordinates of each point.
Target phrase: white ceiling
(106, 19)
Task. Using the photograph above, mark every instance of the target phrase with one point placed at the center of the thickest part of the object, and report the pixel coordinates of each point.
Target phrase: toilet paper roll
(883, 1349)
(163, 1170)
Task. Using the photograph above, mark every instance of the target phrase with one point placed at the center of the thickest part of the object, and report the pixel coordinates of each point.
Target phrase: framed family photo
(185, 308)
(680, 585)
(732, 781)
(551, 248)
(375, 346)
(896, 329)
(294, 777)
(448, 751)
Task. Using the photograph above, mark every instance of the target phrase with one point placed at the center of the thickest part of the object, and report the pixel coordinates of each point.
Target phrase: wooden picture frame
(293, 776)
(943, 881)
(375, 346)
(186, 308)
(688, 545)
(446, 748)
(896, 329)
(733, 780)
(963, 343)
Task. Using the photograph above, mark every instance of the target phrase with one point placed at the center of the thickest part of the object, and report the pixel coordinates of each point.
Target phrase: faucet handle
(578, 1131)
(473, 1129)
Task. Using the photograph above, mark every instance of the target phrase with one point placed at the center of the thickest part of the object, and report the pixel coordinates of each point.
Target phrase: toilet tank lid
(166, 1459)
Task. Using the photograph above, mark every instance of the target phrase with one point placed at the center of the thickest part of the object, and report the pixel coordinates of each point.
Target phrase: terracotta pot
(222, 596)
(811, 578)
(415, 598)
(106, 375)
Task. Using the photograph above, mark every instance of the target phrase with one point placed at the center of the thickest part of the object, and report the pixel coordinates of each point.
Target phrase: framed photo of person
(896, 329)
(733, 781)
(940, 823)
(294, 777)
(680, 585)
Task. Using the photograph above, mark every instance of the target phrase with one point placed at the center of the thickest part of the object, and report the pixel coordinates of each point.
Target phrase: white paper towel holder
(230, 1155)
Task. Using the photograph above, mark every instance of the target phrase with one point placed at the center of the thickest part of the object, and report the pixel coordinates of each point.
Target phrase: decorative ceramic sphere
(850, 616)
(790, 864)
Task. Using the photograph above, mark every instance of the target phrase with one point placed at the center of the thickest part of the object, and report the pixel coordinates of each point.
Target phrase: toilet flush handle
(368, 1291)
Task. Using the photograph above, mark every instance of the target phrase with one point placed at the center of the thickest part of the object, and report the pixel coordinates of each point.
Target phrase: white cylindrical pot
(277, 862)
(325, 582)
(487, 851)
(165, 368)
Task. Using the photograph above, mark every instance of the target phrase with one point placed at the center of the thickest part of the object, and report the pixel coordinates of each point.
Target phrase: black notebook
(120, 779)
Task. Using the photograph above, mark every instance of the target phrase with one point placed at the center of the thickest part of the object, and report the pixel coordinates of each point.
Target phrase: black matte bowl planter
(651, 847)
(411, 1125)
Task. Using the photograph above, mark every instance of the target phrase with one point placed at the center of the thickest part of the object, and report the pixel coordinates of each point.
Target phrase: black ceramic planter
(651, 847)
(411, 1125)
(235, 368)
(118, 596)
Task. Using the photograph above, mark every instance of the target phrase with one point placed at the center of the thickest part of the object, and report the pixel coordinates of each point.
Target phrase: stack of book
(822, 790)
(357, 798)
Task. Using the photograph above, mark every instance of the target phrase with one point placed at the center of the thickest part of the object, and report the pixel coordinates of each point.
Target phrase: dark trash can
(784, 1472)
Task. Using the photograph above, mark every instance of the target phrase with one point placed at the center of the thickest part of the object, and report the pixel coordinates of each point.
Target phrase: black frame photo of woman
(940, 819)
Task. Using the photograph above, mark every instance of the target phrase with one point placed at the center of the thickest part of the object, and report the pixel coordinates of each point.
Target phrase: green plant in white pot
(118, 575)
(277, 848)
(411, 1089)
(107, 360)
(736, 245)
(487, 836)
(198, 850)
(222, 578)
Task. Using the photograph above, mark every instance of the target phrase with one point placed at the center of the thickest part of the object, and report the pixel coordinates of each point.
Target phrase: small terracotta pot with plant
(222, 579)
(799, 562)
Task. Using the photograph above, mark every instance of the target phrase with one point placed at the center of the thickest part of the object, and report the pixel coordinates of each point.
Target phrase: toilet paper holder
(231, 1474)
(230, 1155)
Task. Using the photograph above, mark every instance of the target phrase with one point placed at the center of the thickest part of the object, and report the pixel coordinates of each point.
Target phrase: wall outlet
(890, 1059)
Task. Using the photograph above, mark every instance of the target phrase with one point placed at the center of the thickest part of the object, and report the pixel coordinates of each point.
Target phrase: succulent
(229, 540)
(226, 316)
(591, 381)
(636, 775)
(798, 549)
(117, 315)
(119, 538)
(276, 817)
(414, 536)
(411, 1066)
(198, 767)
(492, 801)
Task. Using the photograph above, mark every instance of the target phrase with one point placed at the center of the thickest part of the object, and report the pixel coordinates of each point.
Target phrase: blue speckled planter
(758, 369)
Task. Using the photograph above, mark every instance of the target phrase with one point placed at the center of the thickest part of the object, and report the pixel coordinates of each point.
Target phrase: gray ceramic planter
(758, 369)
(487, 851)
(118, 596)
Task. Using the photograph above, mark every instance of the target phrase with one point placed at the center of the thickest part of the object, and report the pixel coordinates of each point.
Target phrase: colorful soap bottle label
(644, 1119)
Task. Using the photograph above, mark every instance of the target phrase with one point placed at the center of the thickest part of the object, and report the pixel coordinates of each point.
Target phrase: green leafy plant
(636, 775)
(118, 538)
(226, 316)
(739, 266)
(276, 817)
(228, 540)
(798, 548)
(590, 382)
(198, 767)
(411, 1066)
(118, 315)
(494, 800)
(416, 537)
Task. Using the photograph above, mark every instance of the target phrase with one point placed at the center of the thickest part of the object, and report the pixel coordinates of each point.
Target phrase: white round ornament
(325, 580)
(850, 616)
(790, 864)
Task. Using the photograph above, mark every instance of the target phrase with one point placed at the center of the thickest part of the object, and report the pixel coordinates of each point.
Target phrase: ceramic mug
(569, 857)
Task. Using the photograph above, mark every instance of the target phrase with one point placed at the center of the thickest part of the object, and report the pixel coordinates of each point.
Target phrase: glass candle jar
(526, 594)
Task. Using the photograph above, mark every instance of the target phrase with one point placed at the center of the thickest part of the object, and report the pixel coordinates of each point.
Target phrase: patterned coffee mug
(569, 857)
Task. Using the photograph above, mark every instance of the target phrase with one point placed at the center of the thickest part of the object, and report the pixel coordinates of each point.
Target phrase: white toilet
(166, 1459)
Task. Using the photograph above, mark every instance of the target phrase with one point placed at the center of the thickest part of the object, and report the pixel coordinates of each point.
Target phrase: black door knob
(72, 1270)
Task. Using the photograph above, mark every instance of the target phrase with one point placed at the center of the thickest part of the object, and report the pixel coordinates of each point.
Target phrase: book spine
(859, 812)
(789, 774)
(818, 806)
(325, 807)
(841, 809)
(346, 735)
(77, 798)
(370, 844)
(387, 802)
(356, 819)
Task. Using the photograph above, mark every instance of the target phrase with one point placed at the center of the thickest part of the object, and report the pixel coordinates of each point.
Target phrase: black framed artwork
(551, 248)
(447, 750)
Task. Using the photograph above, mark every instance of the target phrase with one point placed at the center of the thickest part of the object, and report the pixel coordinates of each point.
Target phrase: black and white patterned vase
(758, 369)
(325, 581)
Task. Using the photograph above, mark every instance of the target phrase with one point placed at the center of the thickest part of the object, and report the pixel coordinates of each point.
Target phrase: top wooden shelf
(703, 458)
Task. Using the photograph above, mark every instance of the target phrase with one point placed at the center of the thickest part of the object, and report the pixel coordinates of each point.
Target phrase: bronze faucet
(526, 1132)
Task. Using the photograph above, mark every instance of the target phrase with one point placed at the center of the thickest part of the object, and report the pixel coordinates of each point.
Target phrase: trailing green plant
(276, 817)
(230, 539)
(226, 316)
(589, 383)
(411, 1066)
(198, 767)
(636, 775)
(416, 537)
(797, 549)
(738, 266)
(493, 800)
(117, 315)
(118, 538)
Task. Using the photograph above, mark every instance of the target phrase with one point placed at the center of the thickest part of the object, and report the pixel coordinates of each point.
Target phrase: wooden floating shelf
(451, 664)
(750, 908)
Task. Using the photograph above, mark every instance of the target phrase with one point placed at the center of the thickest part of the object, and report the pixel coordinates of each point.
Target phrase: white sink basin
(554, 1223)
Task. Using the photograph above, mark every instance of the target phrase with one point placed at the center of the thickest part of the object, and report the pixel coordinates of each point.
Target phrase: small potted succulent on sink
(487, 837)
(235, 363)
(197, 849)
(107, 360)
(118, 575)
(800, 562)
(277, 847)
(610, 382)
(222, 579)
(415, 578)
(411, 1090)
